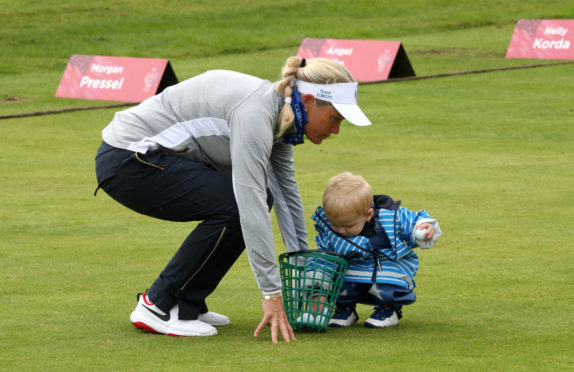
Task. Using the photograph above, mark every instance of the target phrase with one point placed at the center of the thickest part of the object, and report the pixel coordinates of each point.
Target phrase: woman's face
(322, 120)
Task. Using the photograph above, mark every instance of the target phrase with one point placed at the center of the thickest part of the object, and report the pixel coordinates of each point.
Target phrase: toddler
(377, 236)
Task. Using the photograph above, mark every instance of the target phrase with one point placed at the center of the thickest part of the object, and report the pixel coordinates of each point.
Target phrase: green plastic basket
(312, 280)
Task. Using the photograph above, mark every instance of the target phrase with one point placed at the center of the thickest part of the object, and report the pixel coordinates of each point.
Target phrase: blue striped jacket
(397, 263)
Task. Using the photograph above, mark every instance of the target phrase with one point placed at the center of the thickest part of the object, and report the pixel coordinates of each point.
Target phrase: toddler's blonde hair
(347, 193)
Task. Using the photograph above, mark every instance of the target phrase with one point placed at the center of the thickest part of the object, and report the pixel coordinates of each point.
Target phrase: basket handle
(287, 254)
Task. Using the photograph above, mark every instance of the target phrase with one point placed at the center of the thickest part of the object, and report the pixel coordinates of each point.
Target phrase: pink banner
(115, 78)
(367, 60)
(542, 39)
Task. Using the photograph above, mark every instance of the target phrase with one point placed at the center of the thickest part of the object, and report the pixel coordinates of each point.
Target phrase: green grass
(37, 34)
(490, 155)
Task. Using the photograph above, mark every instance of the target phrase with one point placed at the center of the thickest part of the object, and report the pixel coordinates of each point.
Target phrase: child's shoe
(382, 318)
(343, 317)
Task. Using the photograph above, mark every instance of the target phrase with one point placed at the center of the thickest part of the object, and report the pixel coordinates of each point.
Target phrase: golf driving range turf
(490, 155)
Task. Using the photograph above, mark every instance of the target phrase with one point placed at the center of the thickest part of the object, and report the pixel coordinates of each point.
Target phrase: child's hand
(429, 230)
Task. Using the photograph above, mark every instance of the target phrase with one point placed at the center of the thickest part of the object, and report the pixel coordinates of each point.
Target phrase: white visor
(343, 96)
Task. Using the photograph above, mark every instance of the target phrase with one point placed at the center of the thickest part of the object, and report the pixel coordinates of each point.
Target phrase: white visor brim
(343, 96)
(353, 114)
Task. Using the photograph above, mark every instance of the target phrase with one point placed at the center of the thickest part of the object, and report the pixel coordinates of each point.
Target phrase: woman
(218, 148)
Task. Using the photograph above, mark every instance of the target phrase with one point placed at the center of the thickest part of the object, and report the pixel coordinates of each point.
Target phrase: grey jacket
(227, 120)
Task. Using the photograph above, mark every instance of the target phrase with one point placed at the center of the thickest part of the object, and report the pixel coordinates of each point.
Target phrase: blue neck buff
(300, 119)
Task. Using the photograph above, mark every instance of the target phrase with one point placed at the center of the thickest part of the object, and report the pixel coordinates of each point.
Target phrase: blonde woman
(218, 148)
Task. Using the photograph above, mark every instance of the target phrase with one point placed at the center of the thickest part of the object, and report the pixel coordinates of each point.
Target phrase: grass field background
(490, 155)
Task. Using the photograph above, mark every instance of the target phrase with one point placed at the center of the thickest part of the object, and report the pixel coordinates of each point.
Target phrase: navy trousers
(386, 296)
(163, 185)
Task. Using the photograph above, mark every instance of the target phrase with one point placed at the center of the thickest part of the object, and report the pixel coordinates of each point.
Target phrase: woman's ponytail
(285, 88)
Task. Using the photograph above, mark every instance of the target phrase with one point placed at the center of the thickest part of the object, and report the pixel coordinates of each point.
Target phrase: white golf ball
(420, 234)
(306, 318)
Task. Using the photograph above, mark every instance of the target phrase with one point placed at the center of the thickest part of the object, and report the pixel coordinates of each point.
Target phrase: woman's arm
(251, 144)
(287, 199)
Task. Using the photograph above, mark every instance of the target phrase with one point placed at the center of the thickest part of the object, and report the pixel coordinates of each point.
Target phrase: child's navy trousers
(379, 295)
